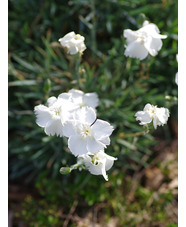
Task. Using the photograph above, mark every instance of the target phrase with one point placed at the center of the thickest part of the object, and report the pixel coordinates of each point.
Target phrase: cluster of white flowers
(143, 41)
(150, 112)
(73, 115)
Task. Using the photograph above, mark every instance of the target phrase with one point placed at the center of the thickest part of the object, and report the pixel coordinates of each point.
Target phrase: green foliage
(34, 213)
(132, 208)
(40, 68)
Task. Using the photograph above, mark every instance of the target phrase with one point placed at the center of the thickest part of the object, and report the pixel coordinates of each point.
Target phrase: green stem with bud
(67, 170)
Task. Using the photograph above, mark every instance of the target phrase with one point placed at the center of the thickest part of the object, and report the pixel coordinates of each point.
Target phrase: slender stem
(79, 164)
(67, 170)
(135, 134)
(76, 65)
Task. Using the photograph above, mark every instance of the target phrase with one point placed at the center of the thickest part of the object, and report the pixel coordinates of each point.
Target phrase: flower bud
(65, 170)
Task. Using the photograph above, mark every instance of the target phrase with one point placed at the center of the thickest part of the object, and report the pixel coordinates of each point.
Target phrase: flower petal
(143, 116)
(77, 145)
(66, 38)
(155, 122)
(129, 35)
(82, 47)
(162, 114)
(64, 96)
(42, 114)
(94, 146)
(153, 45)
(51, 101)
(153, 30)
(147, 107)
(105, 140)
(73, 50)
(109, 163)
(93, 169)
(75, 93)
(136, 50)
(91, 99)
(109, 159)
(77, 97)
(102, 129)
(54, 127)
(86, 115)
(103, 169)
(69, 128)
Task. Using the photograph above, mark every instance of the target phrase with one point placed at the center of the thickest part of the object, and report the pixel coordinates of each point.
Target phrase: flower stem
(123, 135)
(76, 65)
(67, 170)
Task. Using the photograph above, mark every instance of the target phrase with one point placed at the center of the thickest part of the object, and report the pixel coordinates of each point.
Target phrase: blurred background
(142, 186)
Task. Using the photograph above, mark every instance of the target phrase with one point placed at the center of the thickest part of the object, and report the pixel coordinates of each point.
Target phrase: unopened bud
(65, 170)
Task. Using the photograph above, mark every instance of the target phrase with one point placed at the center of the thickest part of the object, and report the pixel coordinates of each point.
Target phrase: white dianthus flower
(53, 116)
(98, 163)
(150, 112)
(73, 42)
(86, 133)
(143, 41)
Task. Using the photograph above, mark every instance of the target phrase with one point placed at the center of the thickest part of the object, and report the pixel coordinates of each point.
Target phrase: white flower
(73, 42)
(81, 99)
(86, 133)
(143, 41)
(53, 116)
(98, 163)
(150, 112)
